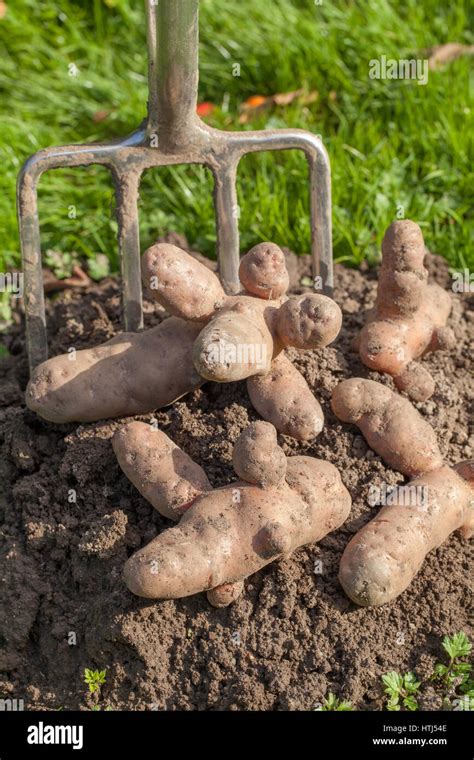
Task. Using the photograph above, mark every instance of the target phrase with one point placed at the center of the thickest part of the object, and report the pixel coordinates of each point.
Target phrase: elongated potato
(181, 284)
(133, 373)
(283, 397)
(221, 539)
(385, 555)
(390, 424)
(409, 318)
(164, 474)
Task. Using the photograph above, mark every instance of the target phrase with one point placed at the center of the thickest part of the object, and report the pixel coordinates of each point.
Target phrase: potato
(389, 423)
(229, 533)
(257, 458)
(409, 317)
(263, 271)
(385, 555)
(182, 285)
(133, 373)
(309, 321)
(220, 541)
(238, 341)
(283, 397)
(165, 476)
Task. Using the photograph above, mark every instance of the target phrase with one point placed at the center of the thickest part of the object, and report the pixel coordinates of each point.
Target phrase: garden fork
(171, 134)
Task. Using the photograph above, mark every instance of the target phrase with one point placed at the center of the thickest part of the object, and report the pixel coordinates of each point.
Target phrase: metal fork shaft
(177, 73)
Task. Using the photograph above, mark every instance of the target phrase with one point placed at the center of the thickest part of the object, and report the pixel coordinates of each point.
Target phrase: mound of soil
(70, 519)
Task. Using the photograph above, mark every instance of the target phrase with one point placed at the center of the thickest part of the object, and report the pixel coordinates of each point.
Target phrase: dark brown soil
(293, 636)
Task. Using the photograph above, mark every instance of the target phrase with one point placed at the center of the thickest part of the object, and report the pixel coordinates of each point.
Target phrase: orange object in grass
(205, 108)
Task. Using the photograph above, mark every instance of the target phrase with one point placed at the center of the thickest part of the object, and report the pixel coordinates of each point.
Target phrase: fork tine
(321, 227)
(126, 192)
(28, 223)
(227, 225)
(240, 143)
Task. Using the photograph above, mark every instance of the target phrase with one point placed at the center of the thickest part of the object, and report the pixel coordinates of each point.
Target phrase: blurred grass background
(393, 144)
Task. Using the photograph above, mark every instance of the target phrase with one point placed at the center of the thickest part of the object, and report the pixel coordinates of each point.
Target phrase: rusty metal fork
(171, 134)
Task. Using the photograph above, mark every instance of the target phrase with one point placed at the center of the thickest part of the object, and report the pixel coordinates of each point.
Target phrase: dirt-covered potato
(229, 533)
(283, 397)
(182, 285)
(384, 556)
(389, 423)
(409, 318)
(133, 373)
(309, 321)
(164, 474)
(263, 271)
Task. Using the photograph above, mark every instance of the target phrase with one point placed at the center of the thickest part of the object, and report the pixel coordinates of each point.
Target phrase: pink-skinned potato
(382, 559)
(221, 540)
(410, 315)
(133, 373)
(309, 321)
(180, 283)
(263, 271)
(238, 341)
(164, 474)
(284, 398)
(390, 425)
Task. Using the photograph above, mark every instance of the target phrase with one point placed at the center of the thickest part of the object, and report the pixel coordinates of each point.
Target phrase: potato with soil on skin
(257, 458)
(309, 321)
(245, 335)
(182, 285)
(238, 341)
(409, 318)
(133, 373)
(283, 397)
(229, 533)
(227, 338)
(385, 555)
(165, 476)
(263, 271)
(390, 424)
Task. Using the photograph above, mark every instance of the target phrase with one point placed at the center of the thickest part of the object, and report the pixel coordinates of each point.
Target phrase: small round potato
(263, 271)
(309, 321)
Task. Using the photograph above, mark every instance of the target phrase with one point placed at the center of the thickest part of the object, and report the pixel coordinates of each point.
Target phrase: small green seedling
(331, 702)
(456, 674)
(94, 679)
(401, 690)
(98, 267)
(61, 262)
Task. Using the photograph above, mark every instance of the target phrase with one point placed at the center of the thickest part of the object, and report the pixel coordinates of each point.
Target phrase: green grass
(391, 143)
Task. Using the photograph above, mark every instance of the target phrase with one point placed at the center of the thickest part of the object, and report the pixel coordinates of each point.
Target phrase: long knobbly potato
(385, 555)
(229, 533)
